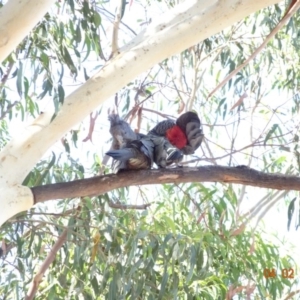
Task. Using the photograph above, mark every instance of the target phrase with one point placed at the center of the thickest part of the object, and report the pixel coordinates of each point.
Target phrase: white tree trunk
(17, 19)
(184, 26)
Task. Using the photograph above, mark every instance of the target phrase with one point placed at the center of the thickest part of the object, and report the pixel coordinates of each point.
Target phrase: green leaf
(97, 19)
(269, 134)
(61, 94)
(20, 79)
(163, 284)
(46, 171)
(291, 210)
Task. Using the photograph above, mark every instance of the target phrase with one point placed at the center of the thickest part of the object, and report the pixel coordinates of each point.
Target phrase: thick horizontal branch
(103, 184)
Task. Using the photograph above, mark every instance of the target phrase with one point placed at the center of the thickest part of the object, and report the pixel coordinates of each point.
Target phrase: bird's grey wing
(161, 128)
(165, 153)
(148, 147)
(194, 137)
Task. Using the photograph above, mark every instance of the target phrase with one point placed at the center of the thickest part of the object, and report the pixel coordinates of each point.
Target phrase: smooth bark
(17, 19)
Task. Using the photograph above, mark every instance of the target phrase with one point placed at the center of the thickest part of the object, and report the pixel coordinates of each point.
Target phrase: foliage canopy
(193, 242)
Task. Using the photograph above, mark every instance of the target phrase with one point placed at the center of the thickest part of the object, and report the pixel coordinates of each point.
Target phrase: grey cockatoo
(185, 134)
(164, 144)
(134, 151)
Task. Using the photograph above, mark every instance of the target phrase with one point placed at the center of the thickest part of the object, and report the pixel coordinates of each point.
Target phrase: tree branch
(289, 13)
(45, 265)
(103, 184)
(115, 35)
(17, 18)
(128, 206)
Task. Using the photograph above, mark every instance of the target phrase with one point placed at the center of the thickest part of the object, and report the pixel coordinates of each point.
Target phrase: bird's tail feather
(121, 154)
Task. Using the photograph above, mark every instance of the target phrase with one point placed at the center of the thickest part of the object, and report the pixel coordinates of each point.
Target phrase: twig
(5, 76)
(269, 206)
(158, 113)
(115, 35)
(108, 12)
(9, 107)
(292, 294)
(50, 258)
(91, 128)
(128, 206)
(213, 159)
(283, 21)
(195, 82)
(182, 103)
(139, 121)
